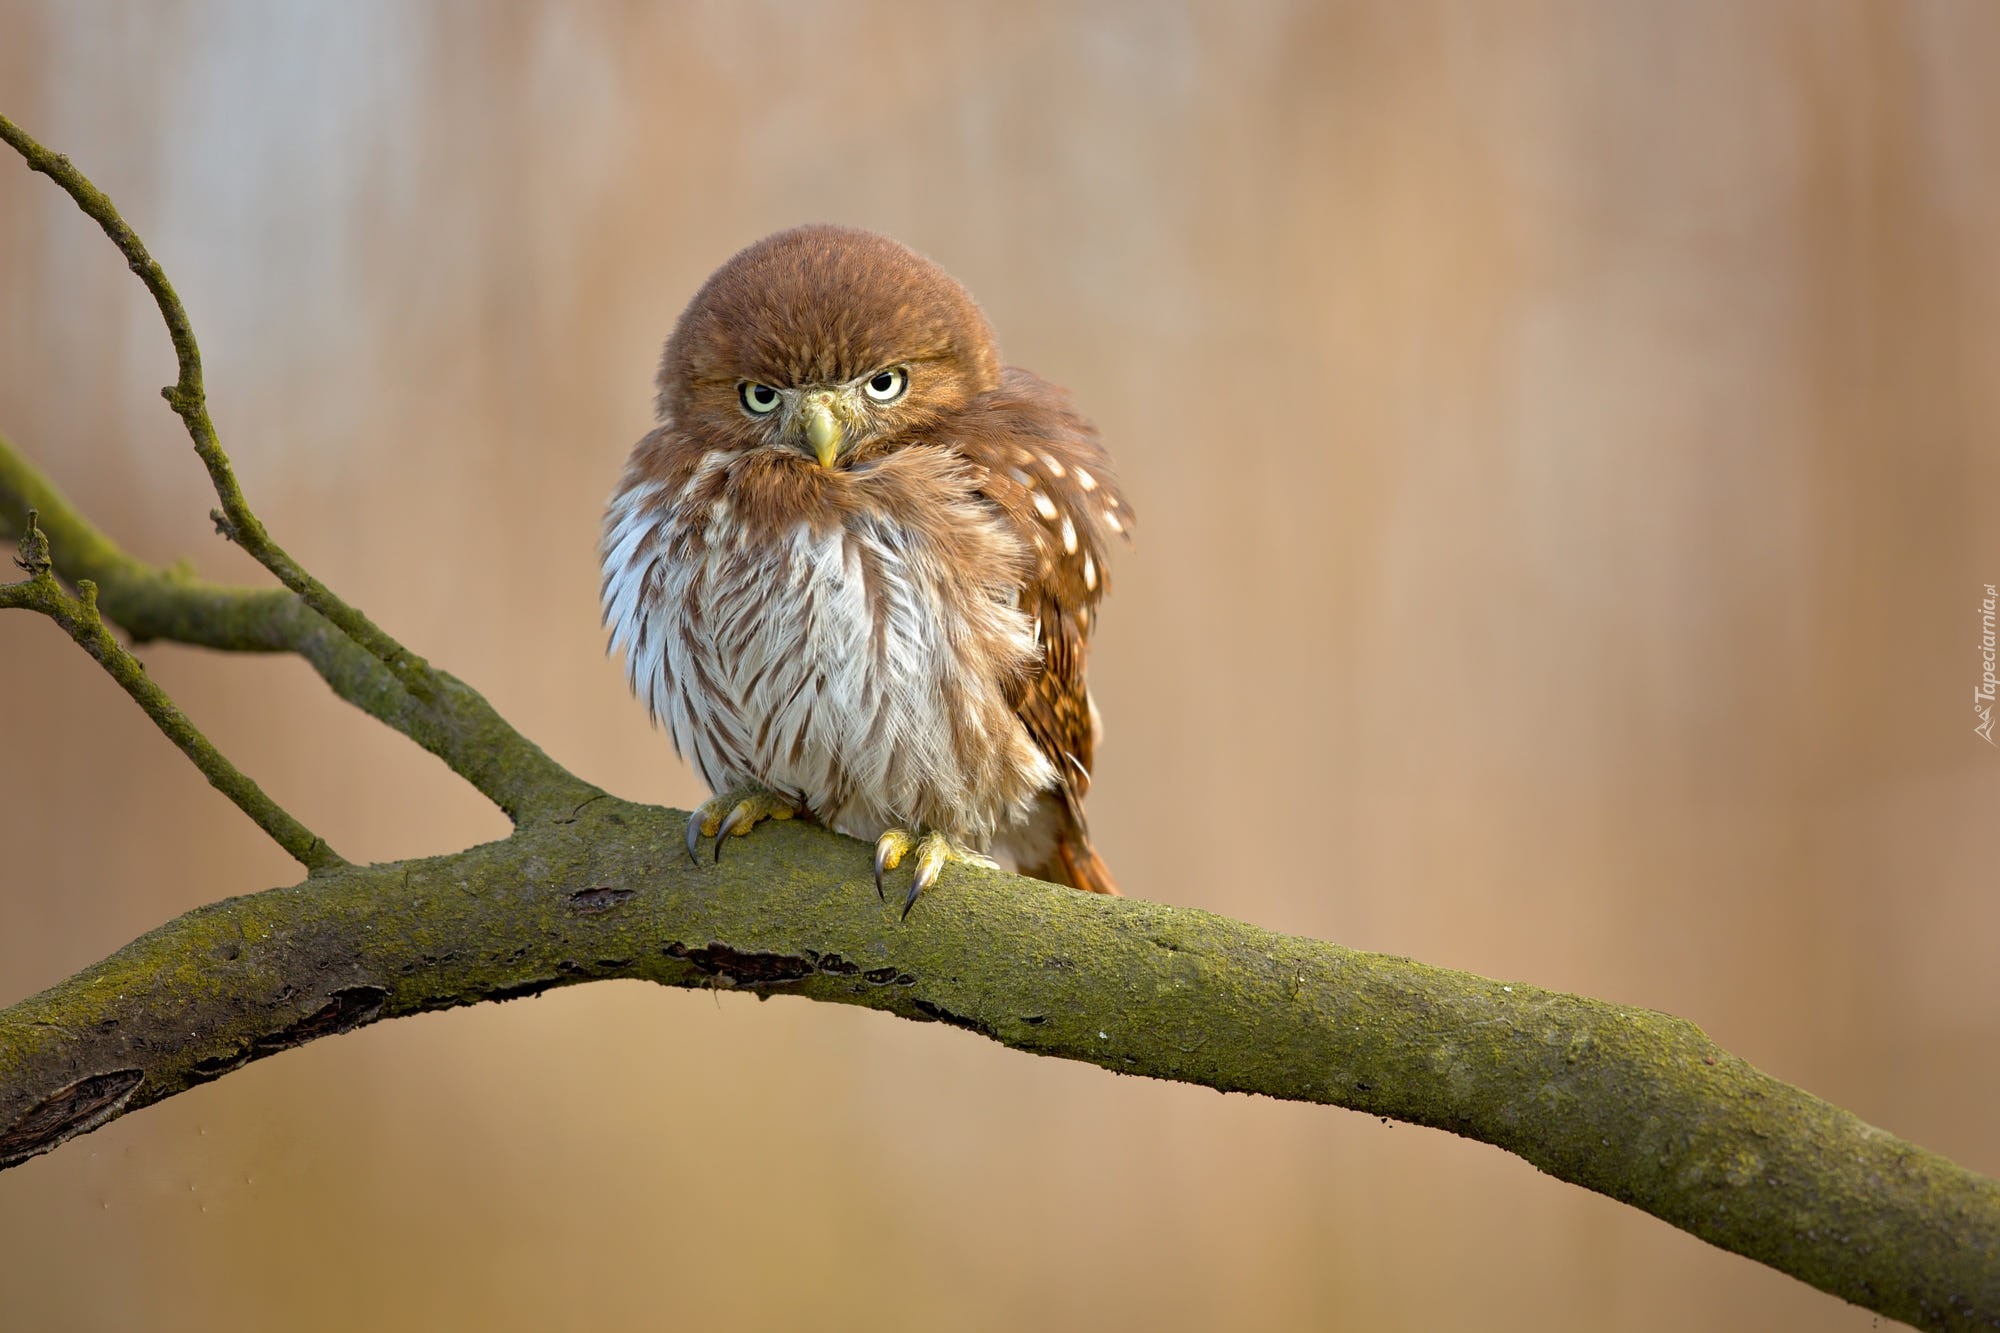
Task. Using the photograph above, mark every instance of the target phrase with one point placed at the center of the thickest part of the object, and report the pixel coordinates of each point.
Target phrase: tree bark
(1636, 1105)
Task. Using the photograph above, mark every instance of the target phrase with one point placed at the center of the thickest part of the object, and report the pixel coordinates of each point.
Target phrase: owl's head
(828, 341)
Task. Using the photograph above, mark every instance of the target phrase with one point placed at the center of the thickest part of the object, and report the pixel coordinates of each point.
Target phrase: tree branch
(450, 719)
(511, 784)
(189, 400)
(78, 616)
(1636, 1105)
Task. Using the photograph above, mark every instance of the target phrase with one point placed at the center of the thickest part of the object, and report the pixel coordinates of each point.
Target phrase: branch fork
(79, 617)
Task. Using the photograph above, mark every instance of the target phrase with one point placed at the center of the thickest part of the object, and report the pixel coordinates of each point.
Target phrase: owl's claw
(737, 817)
(931, 854)
(891, 849)
(933, 851)
(734, 814)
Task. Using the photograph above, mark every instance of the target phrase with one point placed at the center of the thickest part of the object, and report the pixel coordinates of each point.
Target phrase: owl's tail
(1071, 858)
(1078, 865)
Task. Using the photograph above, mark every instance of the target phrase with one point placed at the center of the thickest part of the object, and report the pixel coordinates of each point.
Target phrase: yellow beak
(823, 431)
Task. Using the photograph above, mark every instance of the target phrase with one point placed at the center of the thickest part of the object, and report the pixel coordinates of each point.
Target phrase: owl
(854, 568)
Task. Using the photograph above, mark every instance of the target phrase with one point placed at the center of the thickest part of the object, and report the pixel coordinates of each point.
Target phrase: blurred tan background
(1567, 444)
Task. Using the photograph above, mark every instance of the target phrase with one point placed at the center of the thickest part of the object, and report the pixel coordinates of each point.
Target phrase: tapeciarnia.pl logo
(1982, 694)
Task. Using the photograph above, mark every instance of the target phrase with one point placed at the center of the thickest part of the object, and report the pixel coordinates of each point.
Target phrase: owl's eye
(888, 386)
(758, 399)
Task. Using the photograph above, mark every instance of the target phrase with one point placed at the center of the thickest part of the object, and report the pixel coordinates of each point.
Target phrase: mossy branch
(78, 616)
(1629, 1103)
(189, 400)
(450, 719)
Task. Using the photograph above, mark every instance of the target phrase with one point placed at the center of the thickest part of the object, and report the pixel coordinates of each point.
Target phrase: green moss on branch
(1629, 1103)
(79, 617)
(450, 719)
(189, 400)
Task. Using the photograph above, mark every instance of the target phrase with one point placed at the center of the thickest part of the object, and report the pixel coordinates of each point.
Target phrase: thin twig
(453, 721)
(189, 401)
(443, 714)
(78, 615)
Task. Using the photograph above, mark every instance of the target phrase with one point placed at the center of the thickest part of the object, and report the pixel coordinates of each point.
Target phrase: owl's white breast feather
(846, 667)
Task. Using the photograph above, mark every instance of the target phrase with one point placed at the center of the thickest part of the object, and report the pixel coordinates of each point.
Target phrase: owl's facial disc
(824, 421)
(817, 414)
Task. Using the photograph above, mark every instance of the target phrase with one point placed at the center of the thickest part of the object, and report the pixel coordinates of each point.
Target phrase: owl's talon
(732, 821)
(734, 814)
(930, 864)
(933, 851)
(890, 849)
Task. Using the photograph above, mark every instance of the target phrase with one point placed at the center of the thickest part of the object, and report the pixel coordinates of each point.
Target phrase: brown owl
(854, 568)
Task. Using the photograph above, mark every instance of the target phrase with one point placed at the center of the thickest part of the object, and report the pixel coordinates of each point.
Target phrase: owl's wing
(1048, 475)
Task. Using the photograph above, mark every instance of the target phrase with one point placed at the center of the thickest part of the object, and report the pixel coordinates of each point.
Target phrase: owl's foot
(933, 850)
(734, 814)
